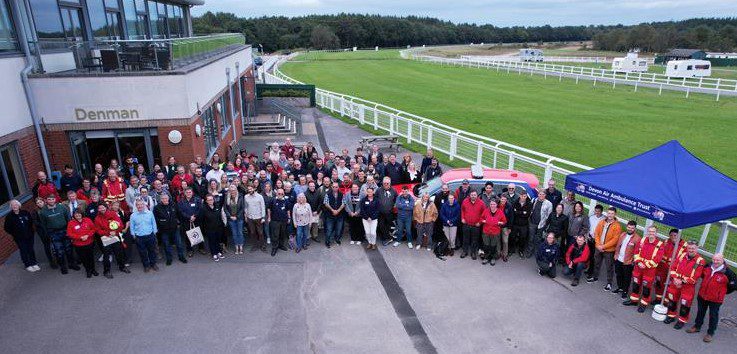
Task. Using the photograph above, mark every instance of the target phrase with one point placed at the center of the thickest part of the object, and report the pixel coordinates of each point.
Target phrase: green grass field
(590, 125)
(582, 123)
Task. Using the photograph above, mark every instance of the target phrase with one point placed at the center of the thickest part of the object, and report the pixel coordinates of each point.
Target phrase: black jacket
(522, 213)
(166, 217)
(211, 219)
(20, 225)
(558, 224)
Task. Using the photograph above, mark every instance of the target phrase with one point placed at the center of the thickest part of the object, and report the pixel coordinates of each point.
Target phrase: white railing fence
(716, 86)
(551, 59)
(472, 148)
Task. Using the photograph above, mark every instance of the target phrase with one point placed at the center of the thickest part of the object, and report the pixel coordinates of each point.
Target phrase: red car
(477, 177)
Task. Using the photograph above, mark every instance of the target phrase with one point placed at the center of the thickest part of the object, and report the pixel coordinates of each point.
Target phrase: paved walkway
(337, 300)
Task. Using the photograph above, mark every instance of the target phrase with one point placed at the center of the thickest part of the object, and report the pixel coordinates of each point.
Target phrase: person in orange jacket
(81, 231)
(606, 236)
(683, 276)
(624, 258)
(664, 266)
(648, 253)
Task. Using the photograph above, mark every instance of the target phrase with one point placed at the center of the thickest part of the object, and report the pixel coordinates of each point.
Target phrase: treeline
(365, 31)
(709, 34)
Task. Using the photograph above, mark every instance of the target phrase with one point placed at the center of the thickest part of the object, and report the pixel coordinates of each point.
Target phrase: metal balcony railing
(129, 55)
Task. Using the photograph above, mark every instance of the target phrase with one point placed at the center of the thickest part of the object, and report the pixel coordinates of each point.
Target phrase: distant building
(631, 63)
(528, 54)
(684, 54)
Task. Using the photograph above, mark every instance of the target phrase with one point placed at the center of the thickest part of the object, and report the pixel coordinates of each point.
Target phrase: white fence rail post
(453, 143)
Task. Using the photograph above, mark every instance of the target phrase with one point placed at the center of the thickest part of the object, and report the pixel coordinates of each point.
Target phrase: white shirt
(623, 247)
(593, 222)
(215, 174)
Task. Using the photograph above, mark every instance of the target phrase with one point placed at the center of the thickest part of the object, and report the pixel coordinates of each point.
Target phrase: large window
(105, 18)
(12, 182)
(135, 18)
(8, 40)
(72, 22)
(47, 19)
(224, 113)
(211, 131)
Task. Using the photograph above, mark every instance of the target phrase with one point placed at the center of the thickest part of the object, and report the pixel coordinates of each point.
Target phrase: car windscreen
(431, 187)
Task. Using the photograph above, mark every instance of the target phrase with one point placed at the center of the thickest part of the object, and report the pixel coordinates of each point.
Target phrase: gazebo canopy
(667, 184)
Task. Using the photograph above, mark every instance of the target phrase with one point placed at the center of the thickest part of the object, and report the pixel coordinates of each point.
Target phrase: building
(531, 54)
(630, 63)
(684, 54)
(88, 81)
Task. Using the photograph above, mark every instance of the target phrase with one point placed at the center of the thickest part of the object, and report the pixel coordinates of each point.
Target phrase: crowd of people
(291, 197)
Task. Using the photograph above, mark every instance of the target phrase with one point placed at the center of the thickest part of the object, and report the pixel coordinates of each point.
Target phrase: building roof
(188, 2)
(680, 52)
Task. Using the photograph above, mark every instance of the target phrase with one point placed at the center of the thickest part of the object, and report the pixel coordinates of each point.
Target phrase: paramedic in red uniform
(684, 273)
(648, 253)
(113, 189)
(718, 281)
(662, 273)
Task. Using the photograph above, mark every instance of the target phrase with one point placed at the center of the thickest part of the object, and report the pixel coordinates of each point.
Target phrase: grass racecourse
(579, 122)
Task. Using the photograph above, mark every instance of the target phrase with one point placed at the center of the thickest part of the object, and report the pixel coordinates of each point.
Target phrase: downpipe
(27, 86)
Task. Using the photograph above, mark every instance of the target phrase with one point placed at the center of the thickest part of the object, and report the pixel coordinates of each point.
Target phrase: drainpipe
(230, 98)
(27, 87)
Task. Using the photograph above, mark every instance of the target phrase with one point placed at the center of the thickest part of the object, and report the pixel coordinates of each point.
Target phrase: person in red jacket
(648, 253)
(577, 257)
(472, 209)
(661, 275)
(717, 281)
(81, 231)
(493, 219)
(176, 186)
(110, 229)
(44, 187)
(684, 273)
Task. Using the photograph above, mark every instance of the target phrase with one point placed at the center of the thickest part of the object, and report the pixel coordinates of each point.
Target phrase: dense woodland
(365, 31)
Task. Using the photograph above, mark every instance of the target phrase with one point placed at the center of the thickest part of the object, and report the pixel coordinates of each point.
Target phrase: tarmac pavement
(338, 300)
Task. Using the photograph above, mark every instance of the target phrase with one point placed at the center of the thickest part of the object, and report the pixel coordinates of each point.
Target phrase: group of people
(285, 198)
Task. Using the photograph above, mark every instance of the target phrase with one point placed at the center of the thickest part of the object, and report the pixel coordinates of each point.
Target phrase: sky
(495, 12)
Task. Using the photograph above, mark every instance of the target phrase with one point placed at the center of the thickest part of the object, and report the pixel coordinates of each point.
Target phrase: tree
(323, 37)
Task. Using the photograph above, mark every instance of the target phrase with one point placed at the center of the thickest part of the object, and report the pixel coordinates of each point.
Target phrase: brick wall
(30, 157)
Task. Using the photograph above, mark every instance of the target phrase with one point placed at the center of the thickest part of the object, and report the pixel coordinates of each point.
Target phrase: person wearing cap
(463, 191)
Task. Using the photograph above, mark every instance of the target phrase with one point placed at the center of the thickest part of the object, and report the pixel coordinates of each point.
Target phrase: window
(224, 113)
(47, 19)
(8, 40)
(702, 67)
(236, 106)
(690, 67)
(210, 131)
(71, 19)
(12, 183)
(135, 19)
(174, 13)
(104, 18)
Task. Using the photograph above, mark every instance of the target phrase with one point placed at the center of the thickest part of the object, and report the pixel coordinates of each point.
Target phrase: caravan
(531, 55)
(688, 68)
(631, 63)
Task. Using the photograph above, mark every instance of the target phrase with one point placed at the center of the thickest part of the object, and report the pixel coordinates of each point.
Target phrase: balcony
(131, 57)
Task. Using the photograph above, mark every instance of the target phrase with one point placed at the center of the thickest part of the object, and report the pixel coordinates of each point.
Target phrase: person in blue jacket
(450, 216)
(188, 207)
(405, 203)
(547, 255)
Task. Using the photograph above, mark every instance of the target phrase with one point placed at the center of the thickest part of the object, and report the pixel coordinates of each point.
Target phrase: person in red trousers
(683, 276)
(648, 253)
(81, 230)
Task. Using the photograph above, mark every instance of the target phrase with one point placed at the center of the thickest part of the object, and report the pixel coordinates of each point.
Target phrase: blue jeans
(62, 246)
(147, 249)
(302, 233)
(236, 229)
(169, 237)
(404, 225)
(333, 229)
(576, 271)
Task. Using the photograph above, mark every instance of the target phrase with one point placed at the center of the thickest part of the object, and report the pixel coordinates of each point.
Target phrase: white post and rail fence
(472, 148)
